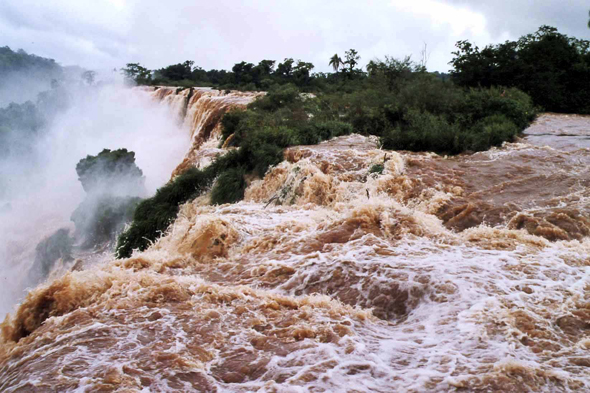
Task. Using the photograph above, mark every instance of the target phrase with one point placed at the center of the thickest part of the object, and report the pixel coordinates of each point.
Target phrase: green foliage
(23, 118)
(316, 132)
(400, 102)
(490, 131)
(153, 215)
(392, 71)
(229, 187)
(418, 111)
(477, 104)
(28, 64)
(279, 97)
(20, 125)
(335, 62)
(136, 73)
(552, 68)
(110, 170)
(422, 131)
(177, 72)
(112, 181)
(231, 121)
(377, 168)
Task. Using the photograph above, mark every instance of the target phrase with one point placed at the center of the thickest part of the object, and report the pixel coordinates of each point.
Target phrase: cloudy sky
(101, 34)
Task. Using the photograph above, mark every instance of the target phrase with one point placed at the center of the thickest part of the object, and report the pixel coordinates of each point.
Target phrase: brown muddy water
(468, 273)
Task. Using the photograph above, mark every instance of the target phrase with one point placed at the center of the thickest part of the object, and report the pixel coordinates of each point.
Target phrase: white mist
(41, 198)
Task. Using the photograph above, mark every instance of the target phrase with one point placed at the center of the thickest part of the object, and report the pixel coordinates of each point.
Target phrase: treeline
(21, 124)
(22, 62)
(551, 67)
(262, 76)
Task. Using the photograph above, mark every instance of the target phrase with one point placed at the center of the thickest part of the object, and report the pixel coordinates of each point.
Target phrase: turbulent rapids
(465, 273)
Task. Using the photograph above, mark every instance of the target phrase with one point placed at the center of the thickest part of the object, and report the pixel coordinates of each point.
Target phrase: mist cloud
(43, 187)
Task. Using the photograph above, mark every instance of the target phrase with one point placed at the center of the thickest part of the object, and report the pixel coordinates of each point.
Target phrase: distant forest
(22, 122)
(269, 73)
(551, 67)
(32, 65)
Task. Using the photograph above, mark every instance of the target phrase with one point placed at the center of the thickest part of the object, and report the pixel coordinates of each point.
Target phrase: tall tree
(352, 58)
(285, 69)
(552, 68)
(137, 73)
(335, 62)
(178, 72)
(88, 77)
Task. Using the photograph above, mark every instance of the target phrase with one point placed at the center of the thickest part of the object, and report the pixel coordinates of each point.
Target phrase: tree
(243, 73)
(285, 69)
(88, 77)
(266, 66)
(261, 74)
(136, 73)
(391, 70)
(552, 68)
(335, 62)
(177, 72)
(352, 58)
(29, 64)
(302, 73)
(424, 56)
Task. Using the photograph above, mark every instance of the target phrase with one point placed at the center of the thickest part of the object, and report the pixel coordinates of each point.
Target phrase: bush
(153, 215)
(230, 122)
(279, 97)
(423, 131)
(491, 131)
(549, 66)
(229, 187)
(478, 104)
(377, 168)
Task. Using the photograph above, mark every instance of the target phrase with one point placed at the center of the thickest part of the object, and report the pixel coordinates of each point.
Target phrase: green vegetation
(111, 171)
(230, 187)
(22, 78)
(552, 68)
(484, 104)
(136, 73)
(19, 124)
(377, 168)
(112, 182)
(153, 215)
(399, 102)
(30, 65)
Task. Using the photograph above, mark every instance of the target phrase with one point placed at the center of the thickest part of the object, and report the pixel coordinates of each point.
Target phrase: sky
(106, 34)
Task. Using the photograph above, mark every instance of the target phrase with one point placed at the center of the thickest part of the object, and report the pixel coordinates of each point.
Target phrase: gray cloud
(109, 33)
(517, 18)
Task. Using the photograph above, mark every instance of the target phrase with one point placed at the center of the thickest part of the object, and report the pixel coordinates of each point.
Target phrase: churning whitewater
(438, 274)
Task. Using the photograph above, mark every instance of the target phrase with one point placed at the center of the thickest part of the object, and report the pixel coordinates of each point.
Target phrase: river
(466, 273)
